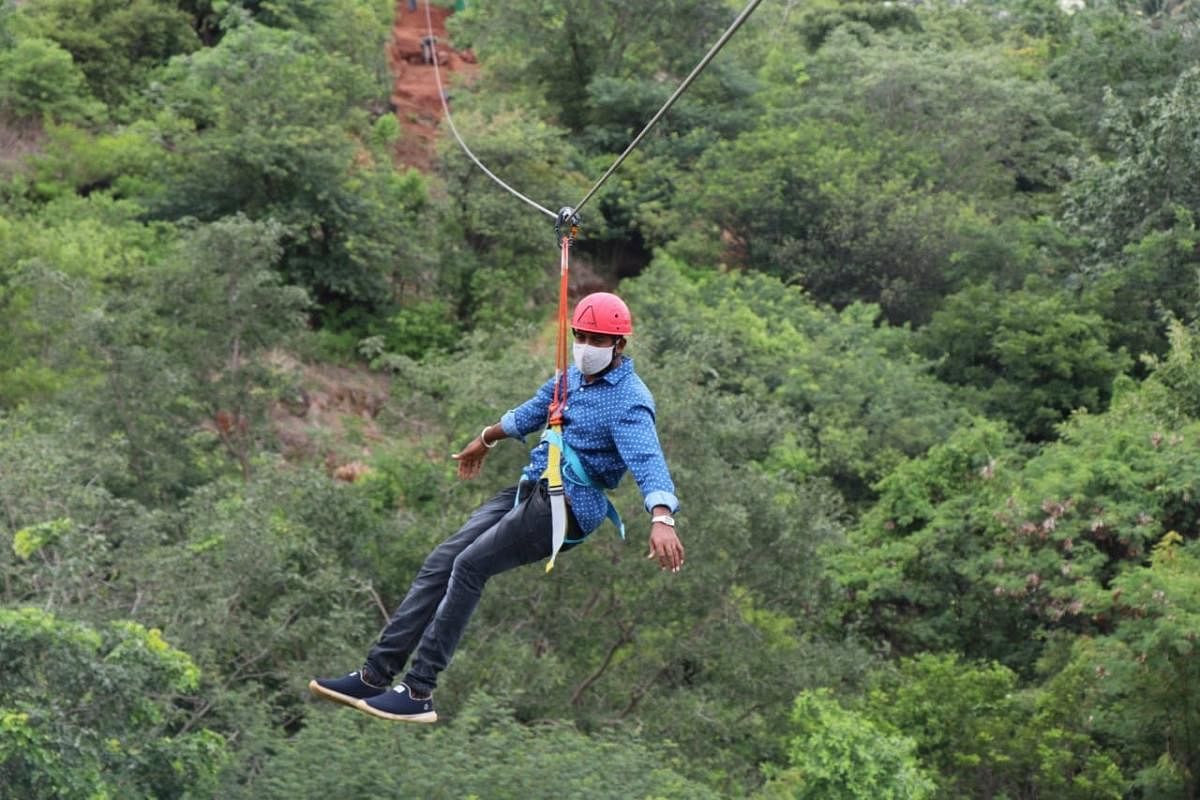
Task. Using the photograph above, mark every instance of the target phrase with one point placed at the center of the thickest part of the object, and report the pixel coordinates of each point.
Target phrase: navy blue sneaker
(349, 689)
(398, 704)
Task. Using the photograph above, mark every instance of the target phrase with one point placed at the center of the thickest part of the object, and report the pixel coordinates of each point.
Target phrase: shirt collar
(613, 376)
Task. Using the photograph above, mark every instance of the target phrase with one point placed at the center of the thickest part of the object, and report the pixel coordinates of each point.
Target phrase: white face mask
(591, 360)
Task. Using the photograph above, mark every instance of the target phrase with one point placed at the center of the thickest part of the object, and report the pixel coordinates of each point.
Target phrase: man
(608, 428)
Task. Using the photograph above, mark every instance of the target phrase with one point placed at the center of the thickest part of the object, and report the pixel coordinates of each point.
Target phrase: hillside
(415, 94)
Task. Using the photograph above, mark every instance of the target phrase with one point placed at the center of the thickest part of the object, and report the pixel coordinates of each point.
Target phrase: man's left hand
(665, 547)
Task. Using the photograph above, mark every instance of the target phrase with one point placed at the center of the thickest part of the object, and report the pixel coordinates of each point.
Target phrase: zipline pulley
(566, 223)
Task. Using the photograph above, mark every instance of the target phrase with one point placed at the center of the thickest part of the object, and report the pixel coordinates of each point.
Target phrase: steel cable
(437, 73)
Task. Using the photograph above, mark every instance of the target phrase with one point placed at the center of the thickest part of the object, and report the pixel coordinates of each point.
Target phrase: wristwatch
(666, 519)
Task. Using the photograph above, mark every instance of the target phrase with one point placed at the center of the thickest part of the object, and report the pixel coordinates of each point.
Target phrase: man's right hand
(470, 459)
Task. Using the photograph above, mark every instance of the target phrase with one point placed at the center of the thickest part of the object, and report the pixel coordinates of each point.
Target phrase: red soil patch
(415, 90)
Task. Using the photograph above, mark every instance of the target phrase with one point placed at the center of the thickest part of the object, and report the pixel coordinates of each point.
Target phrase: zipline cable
(683, 86)
(437, 73)
(716, 48)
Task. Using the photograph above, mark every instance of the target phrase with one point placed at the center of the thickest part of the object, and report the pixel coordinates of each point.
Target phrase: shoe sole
(336, 697)
(427, 717)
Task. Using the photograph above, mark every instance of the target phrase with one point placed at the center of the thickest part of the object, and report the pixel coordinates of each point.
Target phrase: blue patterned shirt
(609, 423)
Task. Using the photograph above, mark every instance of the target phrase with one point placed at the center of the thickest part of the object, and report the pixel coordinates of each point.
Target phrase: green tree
(281, 133)
(499, 252)
(837, 753)
(1149, 668)
(984, 737)
(1142, 189)
(918, 568)
(268, 582)
(1154, 281)
(1032, 356)
(184, 354)
(116, 43)
(54, 271)
(562, 49)
(856, 397)
(875, 163)
(979, 549)
(123, 164)
(87, 712)
(817, 23)
(37, 77)
(472, 756)
(1109, 47)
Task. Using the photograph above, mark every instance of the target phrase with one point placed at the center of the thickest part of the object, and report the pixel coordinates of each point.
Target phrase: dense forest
(915, 285)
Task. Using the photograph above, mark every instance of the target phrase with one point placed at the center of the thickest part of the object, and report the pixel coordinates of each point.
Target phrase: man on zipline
(607, 427)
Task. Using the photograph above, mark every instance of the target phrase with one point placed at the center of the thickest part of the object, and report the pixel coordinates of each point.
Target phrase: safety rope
(437, 74)
(567, 225)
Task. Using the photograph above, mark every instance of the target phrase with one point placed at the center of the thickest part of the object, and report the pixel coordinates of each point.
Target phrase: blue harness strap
(573, 471)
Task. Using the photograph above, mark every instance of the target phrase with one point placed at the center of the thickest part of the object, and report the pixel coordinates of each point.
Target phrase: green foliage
(915, 566)
(1149, 667)
(473, 756)
(1032, 355)
(122, 164)
(499, 255)
(53, 272)
(562, 49)
(421, 329)
(983, 737)
(1141, 190)
(116, 43)
(33, 538)
(1174, 386)
(1108, 49)
(857, 399)
(37, 77)
(105, 725)
(1154, 281)
(276, 131)
(257, 579)
(817, 23)
(836, 753)
(187, 348)
(975, 549)
(874, 165)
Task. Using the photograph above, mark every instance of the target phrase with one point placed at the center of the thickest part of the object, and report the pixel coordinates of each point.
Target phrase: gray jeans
(498, 537)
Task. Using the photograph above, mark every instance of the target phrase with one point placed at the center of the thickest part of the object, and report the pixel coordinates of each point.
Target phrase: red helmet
(602, 312)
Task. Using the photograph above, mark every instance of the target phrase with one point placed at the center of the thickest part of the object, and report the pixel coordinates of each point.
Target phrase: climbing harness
(562, 462)
(573, 472)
